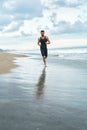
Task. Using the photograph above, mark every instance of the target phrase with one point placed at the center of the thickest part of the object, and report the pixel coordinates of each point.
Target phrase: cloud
(23, 34)
(67, 28)
(70, 3)
(64, 3)
(13, 26)
(14, 12)
(24, 7)
(4, 20)
(26, 18)
(67, 16)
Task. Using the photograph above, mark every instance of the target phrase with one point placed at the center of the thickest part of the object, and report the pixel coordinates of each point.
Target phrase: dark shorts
(44, 51)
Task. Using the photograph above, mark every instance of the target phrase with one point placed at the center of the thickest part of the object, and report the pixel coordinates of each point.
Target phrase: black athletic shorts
(44, 51)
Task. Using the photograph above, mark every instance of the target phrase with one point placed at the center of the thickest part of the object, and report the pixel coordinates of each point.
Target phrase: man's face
(42, 33)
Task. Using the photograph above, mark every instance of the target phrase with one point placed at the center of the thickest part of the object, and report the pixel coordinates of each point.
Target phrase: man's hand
(48, 41)
(39, 44)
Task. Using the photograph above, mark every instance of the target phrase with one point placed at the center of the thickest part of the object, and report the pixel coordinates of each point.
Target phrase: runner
(42, 42)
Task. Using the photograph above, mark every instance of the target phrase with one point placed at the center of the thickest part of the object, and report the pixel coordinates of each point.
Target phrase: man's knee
(45, 57)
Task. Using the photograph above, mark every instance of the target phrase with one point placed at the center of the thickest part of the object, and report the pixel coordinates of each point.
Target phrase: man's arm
(48, 40)
(38, 42)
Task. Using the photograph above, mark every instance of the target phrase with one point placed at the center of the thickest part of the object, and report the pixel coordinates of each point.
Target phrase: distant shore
(7, 61)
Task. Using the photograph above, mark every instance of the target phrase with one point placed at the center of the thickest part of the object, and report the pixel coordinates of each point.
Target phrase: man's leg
(44, 60)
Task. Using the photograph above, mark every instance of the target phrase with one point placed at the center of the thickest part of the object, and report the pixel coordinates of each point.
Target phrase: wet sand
(36, 98)
(7, 62)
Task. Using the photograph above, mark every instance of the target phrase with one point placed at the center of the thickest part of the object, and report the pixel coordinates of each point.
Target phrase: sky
(64, 22)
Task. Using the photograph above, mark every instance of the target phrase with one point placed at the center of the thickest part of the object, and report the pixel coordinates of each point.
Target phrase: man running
(42, 42)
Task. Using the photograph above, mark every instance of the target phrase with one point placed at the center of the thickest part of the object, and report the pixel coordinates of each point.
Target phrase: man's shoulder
(46, 37)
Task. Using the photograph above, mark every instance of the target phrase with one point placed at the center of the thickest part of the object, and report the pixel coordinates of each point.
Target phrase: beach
(7, 61)
(33, 97)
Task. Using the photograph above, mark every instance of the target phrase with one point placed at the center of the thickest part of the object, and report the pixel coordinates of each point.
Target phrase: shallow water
(36, 98)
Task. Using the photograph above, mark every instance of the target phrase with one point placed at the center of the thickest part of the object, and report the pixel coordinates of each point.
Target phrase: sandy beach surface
(36, 98)
(7, 61)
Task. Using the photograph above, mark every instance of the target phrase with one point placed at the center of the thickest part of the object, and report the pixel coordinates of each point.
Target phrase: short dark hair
(42, 31)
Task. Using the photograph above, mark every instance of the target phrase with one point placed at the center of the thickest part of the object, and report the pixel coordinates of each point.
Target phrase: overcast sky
(22, 20)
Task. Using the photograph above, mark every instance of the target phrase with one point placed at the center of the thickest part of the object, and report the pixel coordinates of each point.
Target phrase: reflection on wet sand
(41, 82)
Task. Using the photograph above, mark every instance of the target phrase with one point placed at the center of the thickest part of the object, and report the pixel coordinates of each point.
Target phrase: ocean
(74, 53)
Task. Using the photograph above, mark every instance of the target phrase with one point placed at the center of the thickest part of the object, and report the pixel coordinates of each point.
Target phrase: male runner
(42, 42)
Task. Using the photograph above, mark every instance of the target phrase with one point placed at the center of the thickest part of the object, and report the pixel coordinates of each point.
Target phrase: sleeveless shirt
(43, 41)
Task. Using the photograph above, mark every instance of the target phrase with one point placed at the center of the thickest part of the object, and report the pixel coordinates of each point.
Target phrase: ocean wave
(66, 53)
(1, 50)
(77, 53)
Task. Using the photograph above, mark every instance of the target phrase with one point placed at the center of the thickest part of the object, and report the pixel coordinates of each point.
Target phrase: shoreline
(7, 61)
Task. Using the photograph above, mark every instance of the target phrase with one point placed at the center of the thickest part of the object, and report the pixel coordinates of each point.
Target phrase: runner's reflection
(41, 83)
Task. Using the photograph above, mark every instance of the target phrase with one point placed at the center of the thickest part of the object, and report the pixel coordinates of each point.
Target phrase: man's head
(42, 32)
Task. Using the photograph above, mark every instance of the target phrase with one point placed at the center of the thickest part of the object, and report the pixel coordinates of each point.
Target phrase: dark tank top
(43, 41)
